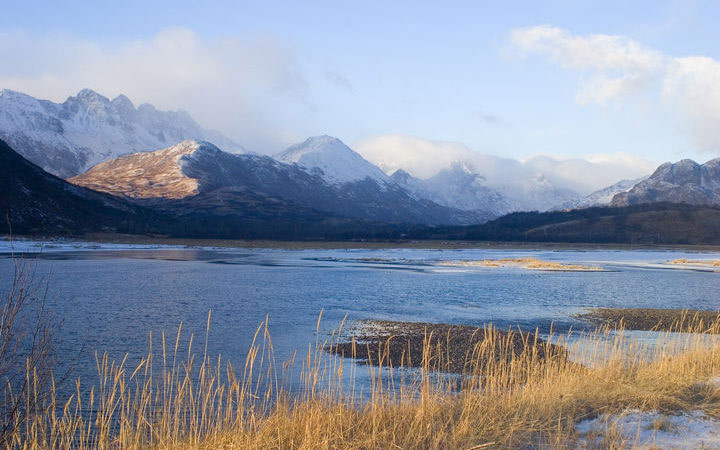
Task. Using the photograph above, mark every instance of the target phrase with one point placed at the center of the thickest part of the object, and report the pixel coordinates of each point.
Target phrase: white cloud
(615, 68)
(420, 157)
(598, 51)
(692, 85)
(228, 83)
(424, 158)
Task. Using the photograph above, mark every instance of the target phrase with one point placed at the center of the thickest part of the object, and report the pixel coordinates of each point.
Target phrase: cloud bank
(424, 158)
(616, 68)
(236, 84)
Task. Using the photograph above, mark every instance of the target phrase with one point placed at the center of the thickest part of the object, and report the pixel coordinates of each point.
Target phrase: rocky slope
(67, 138)
(683, 182)
(34, 201)
(601, 197)
(197, 171)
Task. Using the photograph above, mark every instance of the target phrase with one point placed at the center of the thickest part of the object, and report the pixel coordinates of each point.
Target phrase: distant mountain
(34, 201)
(536, 183)
(683, 182)
(534, 192)
(657, 223)
(457, 187)
(197, 171)
(67, 138)
(177, 197)
(333, 160)
(601, 197)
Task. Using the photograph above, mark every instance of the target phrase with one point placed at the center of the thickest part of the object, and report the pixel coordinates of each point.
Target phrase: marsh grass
(183, 398)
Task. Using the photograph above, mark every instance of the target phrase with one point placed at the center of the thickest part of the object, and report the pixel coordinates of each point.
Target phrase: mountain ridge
(67, 138)
(336, 161)
(685, 181)
(200, 168)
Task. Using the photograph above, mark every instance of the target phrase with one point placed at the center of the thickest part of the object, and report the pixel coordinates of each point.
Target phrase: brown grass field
(510, 396)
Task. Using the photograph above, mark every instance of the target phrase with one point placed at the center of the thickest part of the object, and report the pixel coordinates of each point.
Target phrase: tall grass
(183, 398)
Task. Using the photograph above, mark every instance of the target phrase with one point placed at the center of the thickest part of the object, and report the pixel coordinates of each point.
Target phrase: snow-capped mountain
(67, 138)
(534, 192)
(682, 182)
(601, 197)
(457, 187)
(199, 172)
(335, 161)
(537, 183)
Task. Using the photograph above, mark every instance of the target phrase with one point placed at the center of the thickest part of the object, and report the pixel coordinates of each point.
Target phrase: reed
(184, 398)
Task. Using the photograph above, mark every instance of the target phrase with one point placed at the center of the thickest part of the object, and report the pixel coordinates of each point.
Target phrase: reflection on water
(111, 298)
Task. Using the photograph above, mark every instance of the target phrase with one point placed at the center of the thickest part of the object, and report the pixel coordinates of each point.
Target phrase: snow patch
(653, 429)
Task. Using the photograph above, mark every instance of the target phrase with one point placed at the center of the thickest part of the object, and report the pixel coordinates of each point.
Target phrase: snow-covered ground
(653, 429)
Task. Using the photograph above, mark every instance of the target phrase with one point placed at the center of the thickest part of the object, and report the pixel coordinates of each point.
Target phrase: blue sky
(502, 78)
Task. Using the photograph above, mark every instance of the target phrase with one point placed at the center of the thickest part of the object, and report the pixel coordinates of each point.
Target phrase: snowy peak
(401, 177)
(685, 181)
(86, 129)
(601, 197)
(329, 156)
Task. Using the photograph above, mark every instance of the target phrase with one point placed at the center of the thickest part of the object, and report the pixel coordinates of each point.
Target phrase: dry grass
(654, 319)
(696, 262)
(524, 263)
(395, 344)
(518, 401)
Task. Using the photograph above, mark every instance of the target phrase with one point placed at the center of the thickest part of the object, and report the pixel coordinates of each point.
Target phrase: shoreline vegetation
(524, 263)
(453, 347)
(509, 396)
(654, 319)
(697, 264)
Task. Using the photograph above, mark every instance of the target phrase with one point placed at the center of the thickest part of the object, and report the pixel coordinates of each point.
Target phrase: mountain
(601, 197)
(656, 223)
(336, 162)
(67, 138)
(683, 182)
(194, 172)
(536, 183)
(34, 201)
(534, 192)
(457, 187)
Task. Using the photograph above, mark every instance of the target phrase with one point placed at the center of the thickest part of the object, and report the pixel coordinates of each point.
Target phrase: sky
(601, 80)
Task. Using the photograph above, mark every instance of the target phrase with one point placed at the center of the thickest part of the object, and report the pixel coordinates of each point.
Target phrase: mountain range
(68, 138)
(110, 146)
(36, 202)
(197, 169)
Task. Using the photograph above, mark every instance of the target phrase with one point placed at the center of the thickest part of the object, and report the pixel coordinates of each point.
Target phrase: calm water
(111, 297)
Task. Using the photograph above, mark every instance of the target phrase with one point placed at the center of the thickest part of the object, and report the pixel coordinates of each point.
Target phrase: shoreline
(112, 238)
(653, 319)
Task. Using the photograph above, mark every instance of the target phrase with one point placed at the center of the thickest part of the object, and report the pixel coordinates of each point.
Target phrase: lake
(110, 297)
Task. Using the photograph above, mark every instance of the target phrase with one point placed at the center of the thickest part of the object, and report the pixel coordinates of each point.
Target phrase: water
(110, 297)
